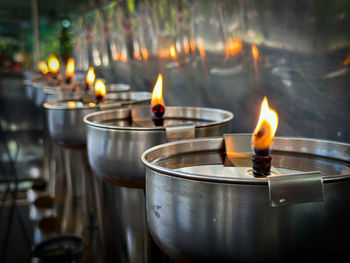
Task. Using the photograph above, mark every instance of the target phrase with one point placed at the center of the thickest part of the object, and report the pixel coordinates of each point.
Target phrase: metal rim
(49, 106)
(229, 117)
(206, 178)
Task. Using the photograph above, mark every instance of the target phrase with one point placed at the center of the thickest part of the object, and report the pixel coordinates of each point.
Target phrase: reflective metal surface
(66, 124)
(302, 63)
(114, 150)
(123, 227)
(225, 219)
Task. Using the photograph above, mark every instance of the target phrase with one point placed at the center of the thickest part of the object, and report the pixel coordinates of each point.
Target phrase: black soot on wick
(68, 80)
(262, 159)
(158, 112)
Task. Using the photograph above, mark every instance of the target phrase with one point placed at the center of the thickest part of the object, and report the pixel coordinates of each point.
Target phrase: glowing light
(100, 89)
(157, 94)
(90, 76)
(43, 67)
(255, 52)
(70, 67)
(266, 128)
(54, 64)
(173, 52)
(233, 47)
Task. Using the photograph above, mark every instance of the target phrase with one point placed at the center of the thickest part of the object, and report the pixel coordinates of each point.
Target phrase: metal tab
(180, 132)
(295, 188)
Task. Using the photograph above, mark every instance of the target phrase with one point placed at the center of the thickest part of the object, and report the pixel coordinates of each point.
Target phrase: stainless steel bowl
(66, 125)
(67, 92)
(114, 150)
(207, 216)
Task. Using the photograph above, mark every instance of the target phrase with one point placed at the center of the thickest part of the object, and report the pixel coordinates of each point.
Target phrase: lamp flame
(71, 104)
(233, 47)
(70, 67)
(255, 52)
(144, 53)
(157, 94)
(173, 52)
(90, 76)
(54, 64)
(100, 89)
(265, 130)
(43, 67)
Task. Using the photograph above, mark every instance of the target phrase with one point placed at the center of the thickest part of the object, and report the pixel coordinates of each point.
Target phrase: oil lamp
(262, 139)
(157, 103)
(70, 70)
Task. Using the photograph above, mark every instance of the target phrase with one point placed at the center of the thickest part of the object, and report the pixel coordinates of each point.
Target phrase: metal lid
(302, 154)
(210, 116)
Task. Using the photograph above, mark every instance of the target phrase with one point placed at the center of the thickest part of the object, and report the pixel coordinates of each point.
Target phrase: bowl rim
(228, 118)
(227, 180)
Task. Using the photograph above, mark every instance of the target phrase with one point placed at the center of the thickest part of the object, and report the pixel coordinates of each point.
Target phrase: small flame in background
(54, 64)
(43, 67)
(90, 76)
(144, 53)
(70, 67)
(71, 104)
(346, 61)
(100, 89)
(265, 129)
(233, 47)
(157, 94)
(255, 52)
(192, 45)
(201, 49)
(173, 52)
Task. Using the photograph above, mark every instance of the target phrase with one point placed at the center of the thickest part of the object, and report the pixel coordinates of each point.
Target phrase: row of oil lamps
(209, 198)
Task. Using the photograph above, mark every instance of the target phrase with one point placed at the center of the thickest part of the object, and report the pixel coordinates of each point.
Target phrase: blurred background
(225, 54)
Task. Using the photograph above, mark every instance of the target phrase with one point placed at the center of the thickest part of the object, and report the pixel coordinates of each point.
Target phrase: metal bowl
(66, 125)
(114, 148)
(200, 214)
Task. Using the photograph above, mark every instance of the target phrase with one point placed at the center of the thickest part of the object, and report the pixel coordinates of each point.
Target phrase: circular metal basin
(65, 119)
(201, 211)
(115, 143)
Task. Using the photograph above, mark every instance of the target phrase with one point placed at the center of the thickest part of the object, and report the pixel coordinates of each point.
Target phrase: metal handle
(295, 188)
(180, 132)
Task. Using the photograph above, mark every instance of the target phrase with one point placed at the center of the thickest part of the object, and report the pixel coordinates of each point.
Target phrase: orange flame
(54, 64)
(70, 67)
(43, 67)
(90, 76)
(255, 52)
(201, 49)
(173, 52)
(144, 53)
(187, 47)
(346, 61)
(157, 94)
(71, 104)
(100, 88)
(137, 55)
(233, 47)
(192, 45)
(266, 128)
